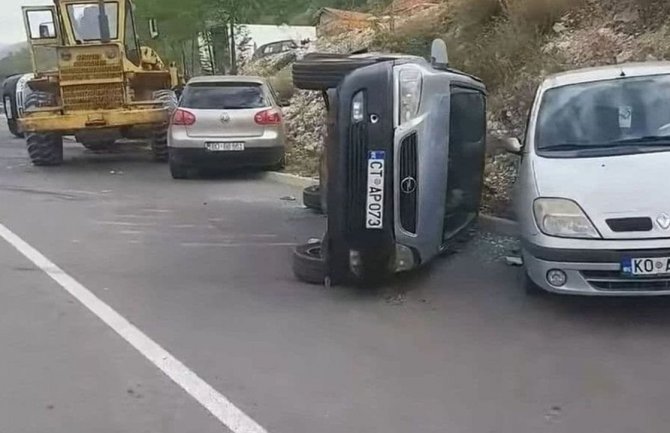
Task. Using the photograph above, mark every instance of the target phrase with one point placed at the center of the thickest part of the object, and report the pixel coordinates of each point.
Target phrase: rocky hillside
(512, 45)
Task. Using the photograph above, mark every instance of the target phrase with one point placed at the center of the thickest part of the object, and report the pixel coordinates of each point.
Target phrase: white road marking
(130, 232)
(125, 223)
(216, 403)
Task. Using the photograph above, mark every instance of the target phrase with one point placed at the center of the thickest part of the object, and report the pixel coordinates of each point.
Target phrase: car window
(224, 96)
(606, 112)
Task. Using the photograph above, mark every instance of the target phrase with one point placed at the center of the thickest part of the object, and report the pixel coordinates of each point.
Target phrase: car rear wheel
(178, 171)
(317, 73)
(309, 264)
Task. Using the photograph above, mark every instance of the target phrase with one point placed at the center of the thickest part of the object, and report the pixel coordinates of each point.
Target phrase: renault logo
(663, 221)
(225, 117)
(408, 185)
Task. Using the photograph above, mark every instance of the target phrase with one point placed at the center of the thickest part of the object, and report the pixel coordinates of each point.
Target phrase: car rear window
(224, 96)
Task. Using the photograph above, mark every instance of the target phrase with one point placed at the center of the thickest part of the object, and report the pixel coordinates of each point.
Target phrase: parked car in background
(226, 122)
(14, 93)
(275, 48)
(591, 198)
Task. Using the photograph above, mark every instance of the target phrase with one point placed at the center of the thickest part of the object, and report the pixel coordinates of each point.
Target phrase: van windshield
(606, 116)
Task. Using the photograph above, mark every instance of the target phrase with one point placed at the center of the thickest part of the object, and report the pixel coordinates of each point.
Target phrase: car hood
(614, 187)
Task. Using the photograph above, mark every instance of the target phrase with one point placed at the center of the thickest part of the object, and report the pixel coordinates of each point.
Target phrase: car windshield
(224, 96)
(607, 115)
(86, 24)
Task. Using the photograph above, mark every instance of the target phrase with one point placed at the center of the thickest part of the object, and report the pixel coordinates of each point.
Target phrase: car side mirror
(512, 145)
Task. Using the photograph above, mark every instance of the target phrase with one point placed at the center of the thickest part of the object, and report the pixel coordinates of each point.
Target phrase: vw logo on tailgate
(225, 118)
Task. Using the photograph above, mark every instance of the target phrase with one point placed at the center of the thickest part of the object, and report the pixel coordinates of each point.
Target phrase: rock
(559, 27)
(624, 57)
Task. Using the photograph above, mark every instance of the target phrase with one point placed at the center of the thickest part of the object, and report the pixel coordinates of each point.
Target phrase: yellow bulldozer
(93, 79)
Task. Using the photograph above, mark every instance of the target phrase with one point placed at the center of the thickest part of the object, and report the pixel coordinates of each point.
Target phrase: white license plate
(374, 204)
(646, 266)
(225, 147)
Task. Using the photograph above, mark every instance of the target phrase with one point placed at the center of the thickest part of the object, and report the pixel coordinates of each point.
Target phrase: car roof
(227, 79)
(587, 75)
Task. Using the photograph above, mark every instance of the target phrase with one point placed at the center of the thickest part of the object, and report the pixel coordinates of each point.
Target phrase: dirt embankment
(511, 44)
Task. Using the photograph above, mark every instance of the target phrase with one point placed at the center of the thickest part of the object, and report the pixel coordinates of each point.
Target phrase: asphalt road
(202, 267)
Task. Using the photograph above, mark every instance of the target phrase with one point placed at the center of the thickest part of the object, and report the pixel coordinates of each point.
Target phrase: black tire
(178, 171)
(311, 198)
(309, 265)
(325, 73)
(315, 56)
(13, 126)
(323, 181)
(279, 166)
(44, 148)
(98, 146)
(159, 147)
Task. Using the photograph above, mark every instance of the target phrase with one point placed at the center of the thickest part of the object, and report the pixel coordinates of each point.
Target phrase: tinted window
(606, 112)
(468, 117)
(224, 96)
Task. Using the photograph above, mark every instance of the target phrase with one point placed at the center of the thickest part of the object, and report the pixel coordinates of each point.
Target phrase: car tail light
(183, 117)
(268, 117)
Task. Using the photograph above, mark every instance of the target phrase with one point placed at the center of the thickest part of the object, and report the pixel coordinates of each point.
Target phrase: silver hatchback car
(591, 197)
(226, 122)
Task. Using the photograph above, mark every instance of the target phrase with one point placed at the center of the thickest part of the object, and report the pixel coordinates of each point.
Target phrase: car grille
(622, 225)
(356, 175)
(91, 97)
(91, 82)
(615, 281)
(409, 188)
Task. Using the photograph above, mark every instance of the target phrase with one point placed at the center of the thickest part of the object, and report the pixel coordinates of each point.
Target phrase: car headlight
(358, 107)
(563, 218)
(409, 89)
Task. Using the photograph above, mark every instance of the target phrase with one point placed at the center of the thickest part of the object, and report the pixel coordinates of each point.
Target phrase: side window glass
(131, 42)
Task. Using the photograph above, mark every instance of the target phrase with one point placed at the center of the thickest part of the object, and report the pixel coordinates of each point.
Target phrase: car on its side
(274, 48)
(591, 200)
(226, 122)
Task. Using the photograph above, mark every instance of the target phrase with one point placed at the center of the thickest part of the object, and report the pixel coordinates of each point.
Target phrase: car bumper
(595, 272)
(250, 157)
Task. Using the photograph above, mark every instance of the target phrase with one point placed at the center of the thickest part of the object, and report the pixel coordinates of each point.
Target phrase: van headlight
(563, 218)
(409, 94)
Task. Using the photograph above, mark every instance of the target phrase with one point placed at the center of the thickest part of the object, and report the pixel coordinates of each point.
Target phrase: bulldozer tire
(323, 73)
(159, 148)
(168, 98)
(44, 148)
(98, 146)
(13, 126)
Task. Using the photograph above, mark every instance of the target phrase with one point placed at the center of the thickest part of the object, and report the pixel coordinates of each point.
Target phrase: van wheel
(44, 148)
(311, 198)
(14, 128)
(318, 73)
(309, 264)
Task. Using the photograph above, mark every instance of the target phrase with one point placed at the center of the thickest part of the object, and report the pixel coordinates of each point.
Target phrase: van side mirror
(153, 29)
(512, 145)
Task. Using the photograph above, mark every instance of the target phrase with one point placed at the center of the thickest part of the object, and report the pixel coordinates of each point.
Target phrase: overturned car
(402, 169)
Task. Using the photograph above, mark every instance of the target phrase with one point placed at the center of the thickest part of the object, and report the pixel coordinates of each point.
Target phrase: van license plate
(374, 204)
(225, 147)
(646, 266)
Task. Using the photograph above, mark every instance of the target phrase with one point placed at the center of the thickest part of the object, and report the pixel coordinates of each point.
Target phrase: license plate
(646, 266)
(374, 204)
(225, 147)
